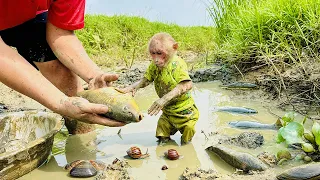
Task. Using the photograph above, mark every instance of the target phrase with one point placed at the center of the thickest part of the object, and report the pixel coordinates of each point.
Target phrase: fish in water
(239, 110)
(309, 171)
(255, 125)
(240, 160)
(122, 107)
(240, 85)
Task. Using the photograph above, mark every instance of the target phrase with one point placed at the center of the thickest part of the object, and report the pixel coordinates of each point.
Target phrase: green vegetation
(273, 30)
(122, 39)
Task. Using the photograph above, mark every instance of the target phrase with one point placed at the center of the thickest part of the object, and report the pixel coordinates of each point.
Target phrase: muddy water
(109, 145)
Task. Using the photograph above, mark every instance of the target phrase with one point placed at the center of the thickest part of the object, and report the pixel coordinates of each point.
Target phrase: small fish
(255, 125)
(240, 85)
(122, 107)
(239, 110)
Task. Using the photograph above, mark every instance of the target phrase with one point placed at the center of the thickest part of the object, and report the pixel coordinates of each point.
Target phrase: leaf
(279, 137)
(316, 131)
(293, 133)
(289, 117)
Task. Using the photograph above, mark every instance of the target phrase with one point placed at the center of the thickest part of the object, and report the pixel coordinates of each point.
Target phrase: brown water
(111, 145)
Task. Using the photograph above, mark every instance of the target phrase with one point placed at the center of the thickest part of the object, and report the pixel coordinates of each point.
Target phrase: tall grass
(123, 39)
(286, 30)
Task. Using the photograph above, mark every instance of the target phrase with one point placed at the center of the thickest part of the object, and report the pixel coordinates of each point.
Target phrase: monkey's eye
(154, 53)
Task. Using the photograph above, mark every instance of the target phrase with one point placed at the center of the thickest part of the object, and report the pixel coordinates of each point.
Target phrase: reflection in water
(181, 12)
(81, 147)
(142, 134)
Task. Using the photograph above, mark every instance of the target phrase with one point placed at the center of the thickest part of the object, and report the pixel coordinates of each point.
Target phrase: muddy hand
(82, 110)
(102, 80)
(156, 106)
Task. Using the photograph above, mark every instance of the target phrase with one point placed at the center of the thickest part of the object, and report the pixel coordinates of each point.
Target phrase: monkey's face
(160, 58)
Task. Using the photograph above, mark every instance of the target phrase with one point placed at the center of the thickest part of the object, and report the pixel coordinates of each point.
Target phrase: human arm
(180, 89)
(19, 75)
(69, 50)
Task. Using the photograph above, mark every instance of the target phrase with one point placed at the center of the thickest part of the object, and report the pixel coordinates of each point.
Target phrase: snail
(135, 153)
(164, 167)
(172, 154)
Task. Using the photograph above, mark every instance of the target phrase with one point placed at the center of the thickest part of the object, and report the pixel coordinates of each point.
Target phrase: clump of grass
(280, 29)
(280, 34)
(123, 39)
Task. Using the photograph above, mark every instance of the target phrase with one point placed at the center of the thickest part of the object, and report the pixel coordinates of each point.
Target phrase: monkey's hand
(157, 106)
(102, 80)
(127, 90)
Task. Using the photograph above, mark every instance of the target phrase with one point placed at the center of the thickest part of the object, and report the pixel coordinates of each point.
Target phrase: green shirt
(166, 79)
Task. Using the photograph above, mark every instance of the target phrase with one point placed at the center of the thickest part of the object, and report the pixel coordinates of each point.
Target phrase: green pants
(183, 121)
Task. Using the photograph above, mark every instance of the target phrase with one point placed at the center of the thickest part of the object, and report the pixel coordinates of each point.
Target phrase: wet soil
(13, 100)
(116, 170)
(249, 140)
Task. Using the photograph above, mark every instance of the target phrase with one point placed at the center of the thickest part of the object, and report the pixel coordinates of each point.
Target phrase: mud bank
(210, 73)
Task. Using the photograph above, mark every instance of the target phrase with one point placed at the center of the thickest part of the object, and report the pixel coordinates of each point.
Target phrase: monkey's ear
(175, 46)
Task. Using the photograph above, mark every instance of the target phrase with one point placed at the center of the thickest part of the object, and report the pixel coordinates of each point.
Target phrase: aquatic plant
(294, 133)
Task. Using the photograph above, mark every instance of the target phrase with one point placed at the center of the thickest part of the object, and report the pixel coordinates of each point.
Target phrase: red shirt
(65, 14)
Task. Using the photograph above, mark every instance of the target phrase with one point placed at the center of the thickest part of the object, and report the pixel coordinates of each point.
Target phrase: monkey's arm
(181, 88)
(144, 82)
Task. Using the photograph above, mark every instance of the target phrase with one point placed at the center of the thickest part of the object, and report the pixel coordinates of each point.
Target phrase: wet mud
(112, 145)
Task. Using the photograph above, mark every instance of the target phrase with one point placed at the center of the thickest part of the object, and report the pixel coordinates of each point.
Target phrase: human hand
(157, 106)
(102, 80)
(82, 110)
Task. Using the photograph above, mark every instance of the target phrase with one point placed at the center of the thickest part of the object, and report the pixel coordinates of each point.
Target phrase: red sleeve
(67, 14)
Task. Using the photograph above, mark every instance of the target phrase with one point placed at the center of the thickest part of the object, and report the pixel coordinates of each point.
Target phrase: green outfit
(181, 113)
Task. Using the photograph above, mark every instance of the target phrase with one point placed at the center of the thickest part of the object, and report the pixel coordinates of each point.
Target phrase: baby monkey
(172, 84)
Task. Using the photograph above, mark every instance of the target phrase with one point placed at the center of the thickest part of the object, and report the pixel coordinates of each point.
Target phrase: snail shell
(134, 152)
(172, 154)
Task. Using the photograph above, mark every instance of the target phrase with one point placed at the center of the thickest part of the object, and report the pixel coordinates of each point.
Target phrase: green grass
(285, 30)
(123, 39)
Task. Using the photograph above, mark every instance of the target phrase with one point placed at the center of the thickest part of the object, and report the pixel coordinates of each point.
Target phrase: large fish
(122, 107)
(239, 110)
(239, 160)
(308, 171)
(255, 125)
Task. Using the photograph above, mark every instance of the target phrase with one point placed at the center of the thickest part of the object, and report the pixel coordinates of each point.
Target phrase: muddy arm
(181, 88)
(136, 86)
(21, 76)
(70, 52)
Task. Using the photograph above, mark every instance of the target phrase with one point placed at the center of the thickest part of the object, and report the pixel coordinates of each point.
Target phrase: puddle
(110, 145)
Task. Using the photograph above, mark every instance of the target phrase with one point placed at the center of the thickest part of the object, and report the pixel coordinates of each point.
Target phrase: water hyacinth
(316, 132)
(306, 147)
